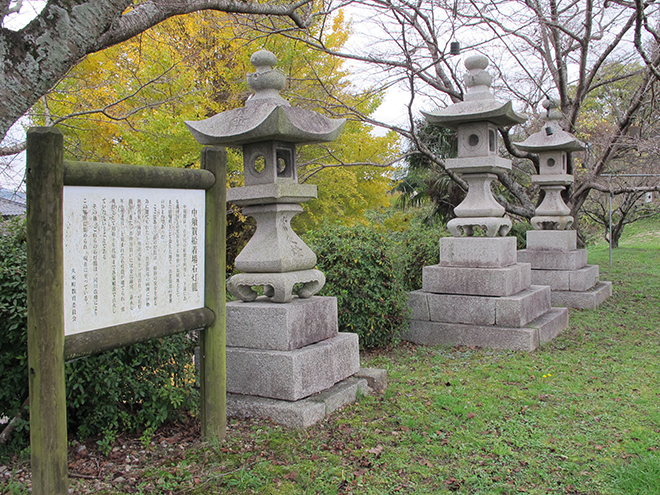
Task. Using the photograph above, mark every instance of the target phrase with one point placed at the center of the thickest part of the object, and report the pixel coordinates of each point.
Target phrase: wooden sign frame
(47, 173)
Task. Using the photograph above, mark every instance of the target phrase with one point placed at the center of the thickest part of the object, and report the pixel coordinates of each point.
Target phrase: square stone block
(554, 260)
(298, 414)
(515, 311)
(589, 299)
(528, 338)
(521, 308)
(476, 281)
(438, 333)
(452, 308)
(478, 252)
(551, 240)
(376, 378)
(583, 279)
(418, 304)
(267, 325)
(551, 324)
(555, 279)
(292, 375)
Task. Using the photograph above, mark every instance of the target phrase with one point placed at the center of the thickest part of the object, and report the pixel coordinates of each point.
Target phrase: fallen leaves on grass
(377, 450)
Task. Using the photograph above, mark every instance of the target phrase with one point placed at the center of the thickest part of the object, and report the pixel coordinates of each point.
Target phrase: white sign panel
(131, 254)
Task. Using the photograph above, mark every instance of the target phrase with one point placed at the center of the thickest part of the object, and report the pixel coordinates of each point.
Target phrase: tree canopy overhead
(37, 56)
(564, 49)
(127, 104)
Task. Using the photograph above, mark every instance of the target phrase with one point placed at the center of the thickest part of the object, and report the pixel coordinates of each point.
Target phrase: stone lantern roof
(479, 103)
(552, 137)
(266, 116)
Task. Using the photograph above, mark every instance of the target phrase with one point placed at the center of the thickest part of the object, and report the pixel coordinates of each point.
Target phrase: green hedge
(358, 267)
(133, 388)
(128, 389)
(13, 320)
(519, 231)
(414, 249)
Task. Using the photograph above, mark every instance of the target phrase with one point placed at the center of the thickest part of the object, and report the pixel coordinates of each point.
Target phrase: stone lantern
(476, 120)
(552, 245)
(286, 359)
(552, 145)
(268, 129)
(479, 295)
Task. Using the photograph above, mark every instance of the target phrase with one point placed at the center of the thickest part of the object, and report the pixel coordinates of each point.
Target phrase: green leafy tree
(424, 181)
(35, 57)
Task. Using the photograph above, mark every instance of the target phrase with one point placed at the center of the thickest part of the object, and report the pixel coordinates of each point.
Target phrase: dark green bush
(519, 230)
(416, 248)
(358, 268)
(13, 319)
(133, 388)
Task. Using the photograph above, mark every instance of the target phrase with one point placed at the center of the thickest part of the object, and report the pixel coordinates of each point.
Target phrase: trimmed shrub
(126, 389)
(416, 248)
(132, 388)
(358, 268)
(519, 230)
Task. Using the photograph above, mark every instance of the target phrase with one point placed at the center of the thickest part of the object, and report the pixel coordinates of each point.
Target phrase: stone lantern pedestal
(552, 247)
(479, 294)
(557, 263)
(289, 363)
(286, 359)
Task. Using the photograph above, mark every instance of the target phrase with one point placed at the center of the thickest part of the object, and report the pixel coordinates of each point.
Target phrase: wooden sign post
(118, 254)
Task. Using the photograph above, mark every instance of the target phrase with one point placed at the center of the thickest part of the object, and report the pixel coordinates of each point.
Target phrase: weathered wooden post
(48, 442)
(213, 377)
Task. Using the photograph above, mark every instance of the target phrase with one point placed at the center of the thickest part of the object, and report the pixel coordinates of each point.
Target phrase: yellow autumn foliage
(127, 104)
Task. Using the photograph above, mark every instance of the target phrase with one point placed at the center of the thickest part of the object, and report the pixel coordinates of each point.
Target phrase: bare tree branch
(13, 149)
(319, 166)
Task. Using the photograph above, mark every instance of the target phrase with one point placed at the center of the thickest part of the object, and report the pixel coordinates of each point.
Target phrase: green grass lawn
(580, 415)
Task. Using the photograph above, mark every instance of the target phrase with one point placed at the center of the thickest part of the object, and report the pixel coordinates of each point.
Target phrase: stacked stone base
(288, 362)
(311, 410)
(479, 295)
(557, 263)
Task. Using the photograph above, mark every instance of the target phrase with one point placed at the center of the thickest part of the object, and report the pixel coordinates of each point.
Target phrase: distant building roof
(13, 194)
(10, 208)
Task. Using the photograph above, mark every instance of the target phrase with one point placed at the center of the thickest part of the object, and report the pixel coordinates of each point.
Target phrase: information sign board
(131, 254)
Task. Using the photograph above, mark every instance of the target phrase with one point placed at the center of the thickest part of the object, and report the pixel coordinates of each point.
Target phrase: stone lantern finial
(552, 109)
(477, 79)
(266, 82)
